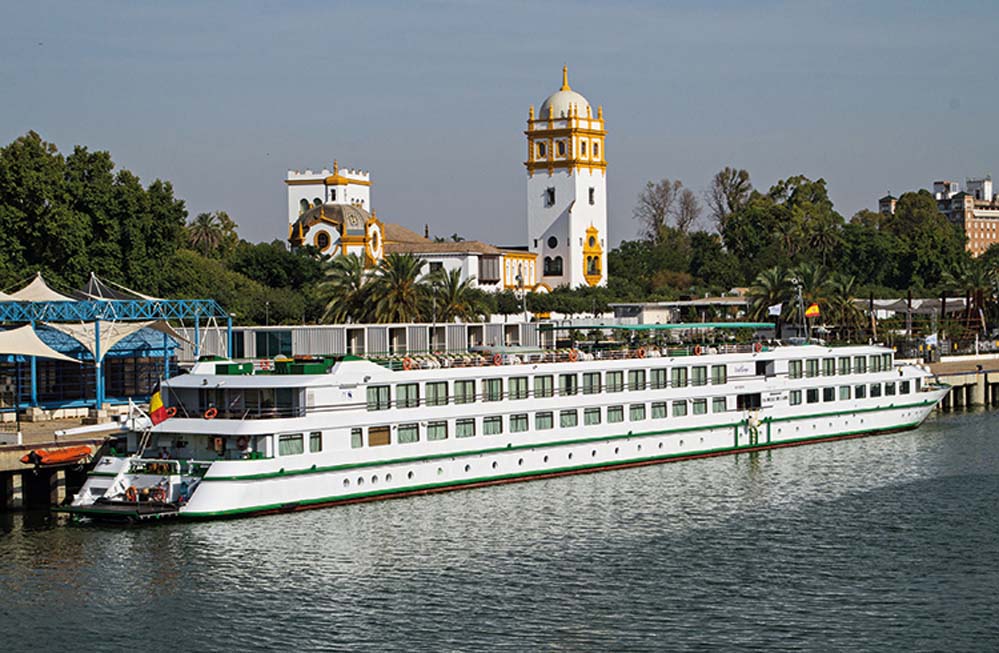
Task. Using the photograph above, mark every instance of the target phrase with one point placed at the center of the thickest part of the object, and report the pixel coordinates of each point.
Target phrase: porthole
(570, 455)
(495, 464)
(660, 445)
(346, 482)
(468, 468)
(388, 478)
(520, 461)
(593, 453)
(617, 450)
(409, 475)
(360, 480)
(546, 458)
(440, 470)
(374, 479)
(702, 440)
(681, 443)
(639, 447)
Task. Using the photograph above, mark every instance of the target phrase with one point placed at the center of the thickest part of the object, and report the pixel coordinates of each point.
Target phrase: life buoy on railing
(407, 363)
(641, 352)
(757, 347)
(131, 494)
(497, 359)
(242, 442)
(573, 356)
(211, 413)
(698, 350)
(171, 411)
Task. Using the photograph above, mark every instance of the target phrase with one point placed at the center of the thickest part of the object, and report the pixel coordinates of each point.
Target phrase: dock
(974, 381)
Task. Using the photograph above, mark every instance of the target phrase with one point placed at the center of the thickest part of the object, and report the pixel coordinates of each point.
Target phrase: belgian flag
(157, 411)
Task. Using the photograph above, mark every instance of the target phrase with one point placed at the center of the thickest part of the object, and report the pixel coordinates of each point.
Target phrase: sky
(222, 98)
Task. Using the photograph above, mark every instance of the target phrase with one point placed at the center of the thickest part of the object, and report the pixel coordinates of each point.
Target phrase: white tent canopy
(111, 332)
(23, 341)
(39, 291)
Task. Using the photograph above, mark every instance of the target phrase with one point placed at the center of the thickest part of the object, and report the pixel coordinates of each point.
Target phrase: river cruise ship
(273, 436)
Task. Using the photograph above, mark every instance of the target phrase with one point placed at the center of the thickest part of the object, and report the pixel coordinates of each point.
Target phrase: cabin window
(464, 428)
(678, 377)
(591, 416)
(636, 412)
(903, 387)
(464, 392)
(718, 405)
(875, 389)
(699, 375)
(859, 365)
(518, 423)
(890, 388)
(794, 369)
(886, 361)
(543, 387)
(828, 367)
(568, 418)
(407, 395)
(636, 379)
(679, 408)
(291, 444)
(315, 442)
(437, 431)
(615, 414)
(518, 387)
(437, 393)
(492, 390)
(812, 395)
(492, 425)
(700, 406)
(917, 385)
(409, 433)
(860, 392)
(659, 410)
(812, 367)
(356, 438)
(567, 384)
(875, 362)
(828, 394)
(719, 375)
(658, 379)
(378, 436)
(378, 397)
(844, 392)
(591, 383)
(844, 365)
(615, 381)
(544, 421)
(795, 397)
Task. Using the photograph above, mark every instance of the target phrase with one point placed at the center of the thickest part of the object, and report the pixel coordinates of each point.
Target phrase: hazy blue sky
(222, 97)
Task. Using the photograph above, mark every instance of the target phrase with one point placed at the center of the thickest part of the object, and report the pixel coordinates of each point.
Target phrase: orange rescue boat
(65, 456)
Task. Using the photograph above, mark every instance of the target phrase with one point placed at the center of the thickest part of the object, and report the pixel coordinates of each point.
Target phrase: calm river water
(883, 543)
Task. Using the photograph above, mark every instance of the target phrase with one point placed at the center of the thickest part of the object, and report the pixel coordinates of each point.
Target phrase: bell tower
(566, 189)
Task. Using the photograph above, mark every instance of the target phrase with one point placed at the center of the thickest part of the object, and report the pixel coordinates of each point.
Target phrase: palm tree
(346, 285)
(825, 238)
(205, 233)
(842, 308)
(814, 281)
(770, 287)
(397, 290)
(455, 299)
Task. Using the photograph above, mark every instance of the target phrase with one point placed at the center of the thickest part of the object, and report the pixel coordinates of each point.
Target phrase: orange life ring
(573, 356)
(497, 359)
(758, 347)
(407, 363)
(131, 494)
(171, 411)
(211, 413)
(242, 442)
(698, 350)
(641, 352)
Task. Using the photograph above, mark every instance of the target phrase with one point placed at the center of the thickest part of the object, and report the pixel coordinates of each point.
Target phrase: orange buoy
(407, 363)
(171, 411)
(211, 413)
(573, 356)
(641, 352)
(758, 347)
(131, 494)
(698, 350)
(498, 359)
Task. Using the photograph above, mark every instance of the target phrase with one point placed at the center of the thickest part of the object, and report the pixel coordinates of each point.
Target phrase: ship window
(859, 365)
(886, 361)
(492, 390)
(700, 406)
(636, 412)
(812, 367)
(356, 438)
(679, 408)
(615, 414)
(518, 423)
(591, 383)
(659, 410)
(890, 388)
(464, 428)
(875, 389)
(860, 392)
(794, 369)
(409, 433)
(636, 379)
(719, 376)
(829, 367)
(875, 363)
(750, 401)
(492, 425)
(615, 381)
(903, 387)
(699, 375)
(407, 395)
(844, 392)
(291, 444)
(378, 397)
(678, 377)
(464, 392)
(518, 387)
(567, 384)
(437, 393)
(917, 385)
(844, 365)
(543, 387)
(812, 395)
(543, 421)
(568, 418)
(795, 397)
(718, 405)
(828, 394)
(437, 431)
(591, 416)
(315, 442)
(658, 378)
(378, 436)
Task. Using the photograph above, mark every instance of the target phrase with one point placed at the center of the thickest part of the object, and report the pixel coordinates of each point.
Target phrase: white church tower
(566, 189)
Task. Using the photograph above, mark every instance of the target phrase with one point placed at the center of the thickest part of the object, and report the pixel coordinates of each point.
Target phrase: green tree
(205, 234)
(456, 299)
(397, 289)
(347, 290)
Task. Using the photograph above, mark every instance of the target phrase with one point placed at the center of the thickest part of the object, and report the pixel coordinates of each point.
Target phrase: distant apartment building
(975, 210)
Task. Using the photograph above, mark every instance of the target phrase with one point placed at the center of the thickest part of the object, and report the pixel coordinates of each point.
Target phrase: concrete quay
(974, 381)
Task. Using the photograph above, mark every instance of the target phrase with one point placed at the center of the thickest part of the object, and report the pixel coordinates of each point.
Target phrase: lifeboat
(66, 456)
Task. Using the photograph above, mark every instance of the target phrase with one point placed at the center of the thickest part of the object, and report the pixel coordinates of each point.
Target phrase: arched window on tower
(303, 206)
(316, 201)
(553, 266)
(561, 148)
(592, 265)
(332, 194)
